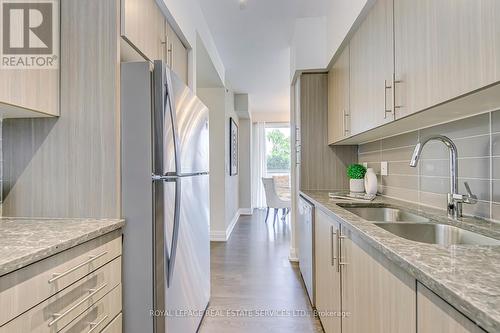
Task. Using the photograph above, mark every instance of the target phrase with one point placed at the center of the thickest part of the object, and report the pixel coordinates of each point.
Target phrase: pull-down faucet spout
(455, 199)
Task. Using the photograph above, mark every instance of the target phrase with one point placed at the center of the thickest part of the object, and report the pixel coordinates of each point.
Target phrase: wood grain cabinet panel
(377, 296)
(58, 311)
(434, 315)
(143, 26)
(26, 287)
(321, 166)
(177, 54)
(26, 93)
(371, 69)
(115, 326)
(338, 99)
(444, 49)
(100, 314)
(327, 275)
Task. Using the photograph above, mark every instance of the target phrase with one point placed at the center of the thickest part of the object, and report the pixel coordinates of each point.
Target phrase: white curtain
(259, 164)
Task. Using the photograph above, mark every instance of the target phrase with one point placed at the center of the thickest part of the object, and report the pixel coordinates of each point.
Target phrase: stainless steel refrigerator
(165, 200)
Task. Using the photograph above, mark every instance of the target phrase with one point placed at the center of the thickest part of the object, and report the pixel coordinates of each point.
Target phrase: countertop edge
(462, 305)
(34, 257)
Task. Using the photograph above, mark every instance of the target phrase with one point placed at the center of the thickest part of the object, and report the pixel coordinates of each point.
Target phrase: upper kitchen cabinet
(29, 93)
(338, 99)
(143, 26)
(176, 56)
(29, 75)
(371, 69)
(444, 49)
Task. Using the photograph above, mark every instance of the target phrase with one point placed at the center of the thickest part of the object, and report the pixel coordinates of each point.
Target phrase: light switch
(384, 171)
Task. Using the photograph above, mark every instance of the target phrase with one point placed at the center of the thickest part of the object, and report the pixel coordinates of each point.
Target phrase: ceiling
(254, 45)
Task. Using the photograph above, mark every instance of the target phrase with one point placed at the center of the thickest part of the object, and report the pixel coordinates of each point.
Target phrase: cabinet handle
(171, 55)
(332, 251)
(386, 110)
(57, 276)
(394, 106)
(59, 316)
(340, 237)
(345, 115)
(94, 325)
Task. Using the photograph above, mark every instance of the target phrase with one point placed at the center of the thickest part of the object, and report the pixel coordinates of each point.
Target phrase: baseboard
(292, 256)
(218, 236)
(231, 225)
(221, 236)
(245, 211)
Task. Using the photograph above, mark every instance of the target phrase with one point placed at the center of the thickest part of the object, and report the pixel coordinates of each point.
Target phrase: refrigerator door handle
(169, 101)
(175, 233)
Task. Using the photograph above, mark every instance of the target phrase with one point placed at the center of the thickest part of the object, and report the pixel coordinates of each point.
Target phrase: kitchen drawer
(69, 303)
(115, 326)
(99, 315)
(30, 285)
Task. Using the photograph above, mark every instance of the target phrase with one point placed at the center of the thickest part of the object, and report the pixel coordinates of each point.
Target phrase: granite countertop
(26, 240)
(466, 276)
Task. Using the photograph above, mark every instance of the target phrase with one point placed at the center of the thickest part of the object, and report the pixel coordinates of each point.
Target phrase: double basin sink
(415, 227)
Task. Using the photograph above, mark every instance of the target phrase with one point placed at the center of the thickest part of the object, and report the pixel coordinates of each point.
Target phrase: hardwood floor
(251, 272)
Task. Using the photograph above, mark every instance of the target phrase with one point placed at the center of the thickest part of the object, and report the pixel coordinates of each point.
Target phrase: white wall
(316, 39)
(271, 117)
(224, 189)
(232, 182)
(187, 19)
(308, 48)
(245, 176)
(340, 18)
(214, 99)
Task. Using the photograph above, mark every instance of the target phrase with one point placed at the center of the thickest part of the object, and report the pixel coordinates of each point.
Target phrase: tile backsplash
(478, 142)
(1, 169)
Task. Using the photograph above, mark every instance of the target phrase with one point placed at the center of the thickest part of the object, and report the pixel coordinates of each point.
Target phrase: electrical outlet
(384, 170)
(365, 164)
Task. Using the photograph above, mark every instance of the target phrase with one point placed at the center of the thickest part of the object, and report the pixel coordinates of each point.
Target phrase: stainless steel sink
(385, 214)
(440, 234)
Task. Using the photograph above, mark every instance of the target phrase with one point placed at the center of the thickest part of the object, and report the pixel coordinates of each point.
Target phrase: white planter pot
(357, 185)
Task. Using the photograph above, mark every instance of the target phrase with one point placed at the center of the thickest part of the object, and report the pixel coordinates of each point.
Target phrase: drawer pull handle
(94, 325)
(57, 276)
(59, 316)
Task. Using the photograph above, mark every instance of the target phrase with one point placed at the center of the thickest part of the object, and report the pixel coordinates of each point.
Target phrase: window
(278, 150)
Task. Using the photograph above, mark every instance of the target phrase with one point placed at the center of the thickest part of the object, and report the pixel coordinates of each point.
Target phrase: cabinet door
(177, 55)
(444, 49)
(372, 68)
(338, 99)
(143, 26)
(327, 274)
(377, 296)
(436, 316)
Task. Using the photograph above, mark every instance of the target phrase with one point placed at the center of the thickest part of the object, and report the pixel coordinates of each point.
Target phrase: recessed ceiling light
(243, 4)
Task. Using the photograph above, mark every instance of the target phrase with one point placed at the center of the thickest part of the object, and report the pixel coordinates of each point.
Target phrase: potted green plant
(356, 174)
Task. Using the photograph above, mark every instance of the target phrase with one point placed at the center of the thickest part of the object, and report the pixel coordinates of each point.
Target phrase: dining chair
(274, 201)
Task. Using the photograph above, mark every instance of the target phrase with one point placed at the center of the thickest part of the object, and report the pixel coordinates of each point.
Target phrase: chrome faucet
(455, 200)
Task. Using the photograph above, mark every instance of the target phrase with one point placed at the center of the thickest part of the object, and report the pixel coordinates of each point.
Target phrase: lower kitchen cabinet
(377, 296)
(434, 315)
(327, 272)
(357, 289)
(76, 290)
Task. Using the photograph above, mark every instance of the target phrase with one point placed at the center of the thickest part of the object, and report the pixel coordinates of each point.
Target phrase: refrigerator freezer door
(180, 126)
(191, 117)
(189, 289)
